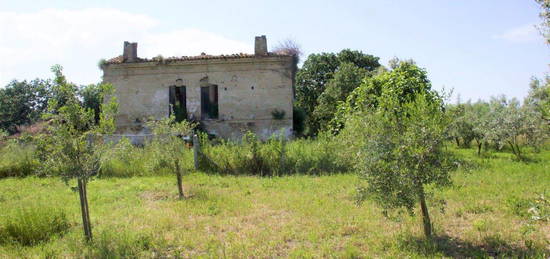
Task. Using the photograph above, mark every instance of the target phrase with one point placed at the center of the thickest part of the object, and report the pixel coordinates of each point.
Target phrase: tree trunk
(84, 209)
(457, 140)
(87, 208)
(425, 215)
(519, 151)
(513, 148)
(196, 147)
(479, 148)
(180, 181)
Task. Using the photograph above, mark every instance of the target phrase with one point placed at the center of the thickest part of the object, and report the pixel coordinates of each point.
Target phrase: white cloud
(521, 34)
(78, 39)
(188, 42)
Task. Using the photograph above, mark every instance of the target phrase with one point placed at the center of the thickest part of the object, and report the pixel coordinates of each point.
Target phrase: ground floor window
(209, 102)
(178, 102)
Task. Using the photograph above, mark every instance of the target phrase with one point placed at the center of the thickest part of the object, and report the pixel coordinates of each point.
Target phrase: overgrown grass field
(486, 214)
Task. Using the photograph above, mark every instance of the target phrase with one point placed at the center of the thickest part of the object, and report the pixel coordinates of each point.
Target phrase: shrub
(30, 226)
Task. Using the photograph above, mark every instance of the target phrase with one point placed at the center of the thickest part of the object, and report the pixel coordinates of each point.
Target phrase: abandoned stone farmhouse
(227, 94)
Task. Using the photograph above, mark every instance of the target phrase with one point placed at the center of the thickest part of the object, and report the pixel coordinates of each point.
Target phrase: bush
(18, 160)
(30, 226)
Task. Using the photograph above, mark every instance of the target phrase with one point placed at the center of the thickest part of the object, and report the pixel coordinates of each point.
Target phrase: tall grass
(18, 160)
(32, 225)
(274, 157)
(126, 160)
(251, 156)
(119, 244)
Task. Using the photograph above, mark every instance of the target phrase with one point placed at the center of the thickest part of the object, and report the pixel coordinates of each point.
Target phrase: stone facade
(228, 94)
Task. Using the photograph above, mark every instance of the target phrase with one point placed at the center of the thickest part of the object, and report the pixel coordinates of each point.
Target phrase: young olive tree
(68, 148)
(479, 116)
(461, 129)
(403, 149)
(168, 136)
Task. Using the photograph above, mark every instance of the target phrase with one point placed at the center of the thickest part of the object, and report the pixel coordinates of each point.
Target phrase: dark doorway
(209, 102)
(178, 103)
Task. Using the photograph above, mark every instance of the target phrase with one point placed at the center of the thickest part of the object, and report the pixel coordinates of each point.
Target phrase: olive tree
(403, 143)
(461, 129)
(478, 114)
(68, 149)
(168, 136)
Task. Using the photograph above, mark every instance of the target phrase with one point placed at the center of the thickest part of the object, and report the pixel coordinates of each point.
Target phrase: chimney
(130, 52)
(260, 46)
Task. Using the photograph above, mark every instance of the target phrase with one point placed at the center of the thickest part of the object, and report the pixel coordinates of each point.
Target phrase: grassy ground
(296, 216)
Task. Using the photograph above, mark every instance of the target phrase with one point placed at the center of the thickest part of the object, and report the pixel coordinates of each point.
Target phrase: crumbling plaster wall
(249, 89)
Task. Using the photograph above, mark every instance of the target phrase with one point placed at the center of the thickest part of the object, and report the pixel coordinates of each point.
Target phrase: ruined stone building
(228, 94)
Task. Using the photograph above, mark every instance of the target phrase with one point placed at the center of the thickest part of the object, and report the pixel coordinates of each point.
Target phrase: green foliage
(168, 139)
(71, 148)
(404, 151)
(167, 143)
(405, 82)
(396, 125)
(119, 244)
(267, 211)
(68, 150)
(32, 225)
(92, 98)
(518, 206)
(3, 134)
(461, 129)
(22, 103)
(298, 120)
(346, 78)
(539, 210)
(273, 157)
(102, 63)
(539, 97)
(18, 160)
(545, 16)
(500, 122)
(317, 71)
(126, 160)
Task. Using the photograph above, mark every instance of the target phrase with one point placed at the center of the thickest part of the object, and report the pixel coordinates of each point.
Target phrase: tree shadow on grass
(492, 246)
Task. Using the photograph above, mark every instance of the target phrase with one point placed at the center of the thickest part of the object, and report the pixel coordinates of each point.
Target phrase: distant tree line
(22, 103)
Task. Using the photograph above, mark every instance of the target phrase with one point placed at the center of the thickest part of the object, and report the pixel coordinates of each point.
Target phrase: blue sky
(478, 48)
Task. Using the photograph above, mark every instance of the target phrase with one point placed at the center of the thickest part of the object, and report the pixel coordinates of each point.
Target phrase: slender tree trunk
(513, 148)
(84, 209)
(196, 147)
(479, 144)
(180, 181)
(425, 214)
(457, 140)
(519, 150)
(85, 181)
